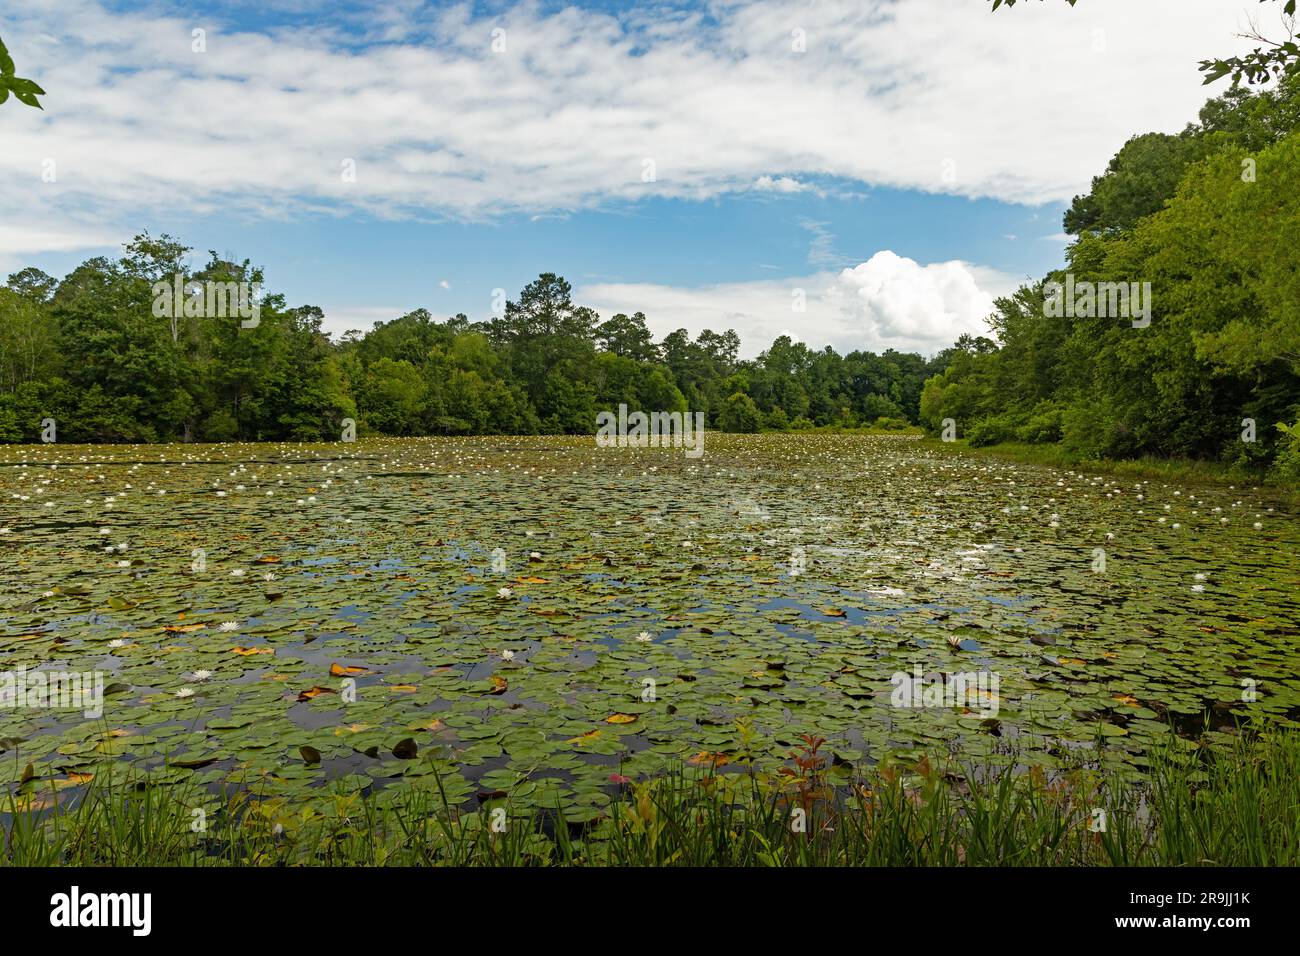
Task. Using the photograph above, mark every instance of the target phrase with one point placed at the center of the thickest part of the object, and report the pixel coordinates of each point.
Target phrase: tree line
(94, 353)
(1208, 219)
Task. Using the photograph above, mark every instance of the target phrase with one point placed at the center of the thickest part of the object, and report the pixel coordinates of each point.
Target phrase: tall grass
(1238, 805)
(1147, 468)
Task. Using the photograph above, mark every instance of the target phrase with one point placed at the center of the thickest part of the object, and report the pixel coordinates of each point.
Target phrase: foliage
(89, 352)
(1206, 218)
(1268, 62)
(24, 90)
(1230, 806)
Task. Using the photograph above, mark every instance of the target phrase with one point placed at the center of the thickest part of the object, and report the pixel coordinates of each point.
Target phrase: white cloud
(780, 184)
(1020, 104)
(344, 318)
(889, 301)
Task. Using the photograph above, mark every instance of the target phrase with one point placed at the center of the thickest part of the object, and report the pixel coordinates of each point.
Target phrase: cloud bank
(450, 111)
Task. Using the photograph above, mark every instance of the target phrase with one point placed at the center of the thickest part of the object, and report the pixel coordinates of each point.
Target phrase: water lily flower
(507, 655)
(185, 692)
(201, 675)
(644, 637)
(505, 593)
(228, 626)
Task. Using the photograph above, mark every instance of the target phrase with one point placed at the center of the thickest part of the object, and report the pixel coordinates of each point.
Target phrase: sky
(853, 173)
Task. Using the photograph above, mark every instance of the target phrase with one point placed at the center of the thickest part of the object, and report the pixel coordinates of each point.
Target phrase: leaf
(314, 693)
(710, 758)
(499, 684)
(532, 580)
(309, 754)
(194, 763)
(20, 85)
(6, 62)
(586, 738)
(834, 611)
(337, 670)
(403, 688)
(29, 99)
(249, 651)
(406, 749)
(620, 719)
(182, 628)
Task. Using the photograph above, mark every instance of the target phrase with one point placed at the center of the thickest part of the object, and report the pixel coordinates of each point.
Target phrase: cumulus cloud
(889, 301)
(565, 110)
(780, 184)
(896, 299)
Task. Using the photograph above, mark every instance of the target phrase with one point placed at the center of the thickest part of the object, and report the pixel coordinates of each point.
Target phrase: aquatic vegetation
(536, 624)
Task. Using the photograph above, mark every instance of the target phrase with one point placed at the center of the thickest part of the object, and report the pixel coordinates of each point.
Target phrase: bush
(739, 414)
(994, 430)
(1286, 467)
(892, 424)
(776, 420)
(1043, 426)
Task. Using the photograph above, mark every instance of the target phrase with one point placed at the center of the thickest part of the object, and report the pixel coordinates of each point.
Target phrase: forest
(1208, 219)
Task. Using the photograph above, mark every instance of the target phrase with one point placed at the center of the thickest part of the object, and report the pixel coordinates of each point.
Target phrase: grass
(1165, 469)
(1233, 805)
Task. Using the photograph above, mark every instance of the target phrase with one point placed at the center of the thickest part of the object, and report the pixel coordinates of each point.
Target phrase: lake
(522, 617)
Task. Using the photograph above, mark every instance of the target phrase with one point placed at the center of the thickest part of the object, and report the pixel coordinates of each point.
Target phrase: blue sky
(896, 164)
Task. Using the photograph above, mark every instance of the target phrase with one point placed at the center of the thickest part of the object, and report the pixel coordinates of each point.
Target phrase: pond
(521, 618)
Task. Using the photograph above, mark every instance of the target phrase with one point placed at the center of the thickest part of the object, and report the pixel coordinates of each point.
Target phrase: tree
(24, 91)
(1271, 61)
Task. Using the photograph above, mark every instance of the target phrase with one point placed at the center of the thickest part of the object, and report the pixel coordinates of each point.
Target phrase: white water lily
(117, 642)
(237, 573)
(505, 593)
(201, 675)
(644, 637)
(507, 655)
(228, 626)
(185, 692)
